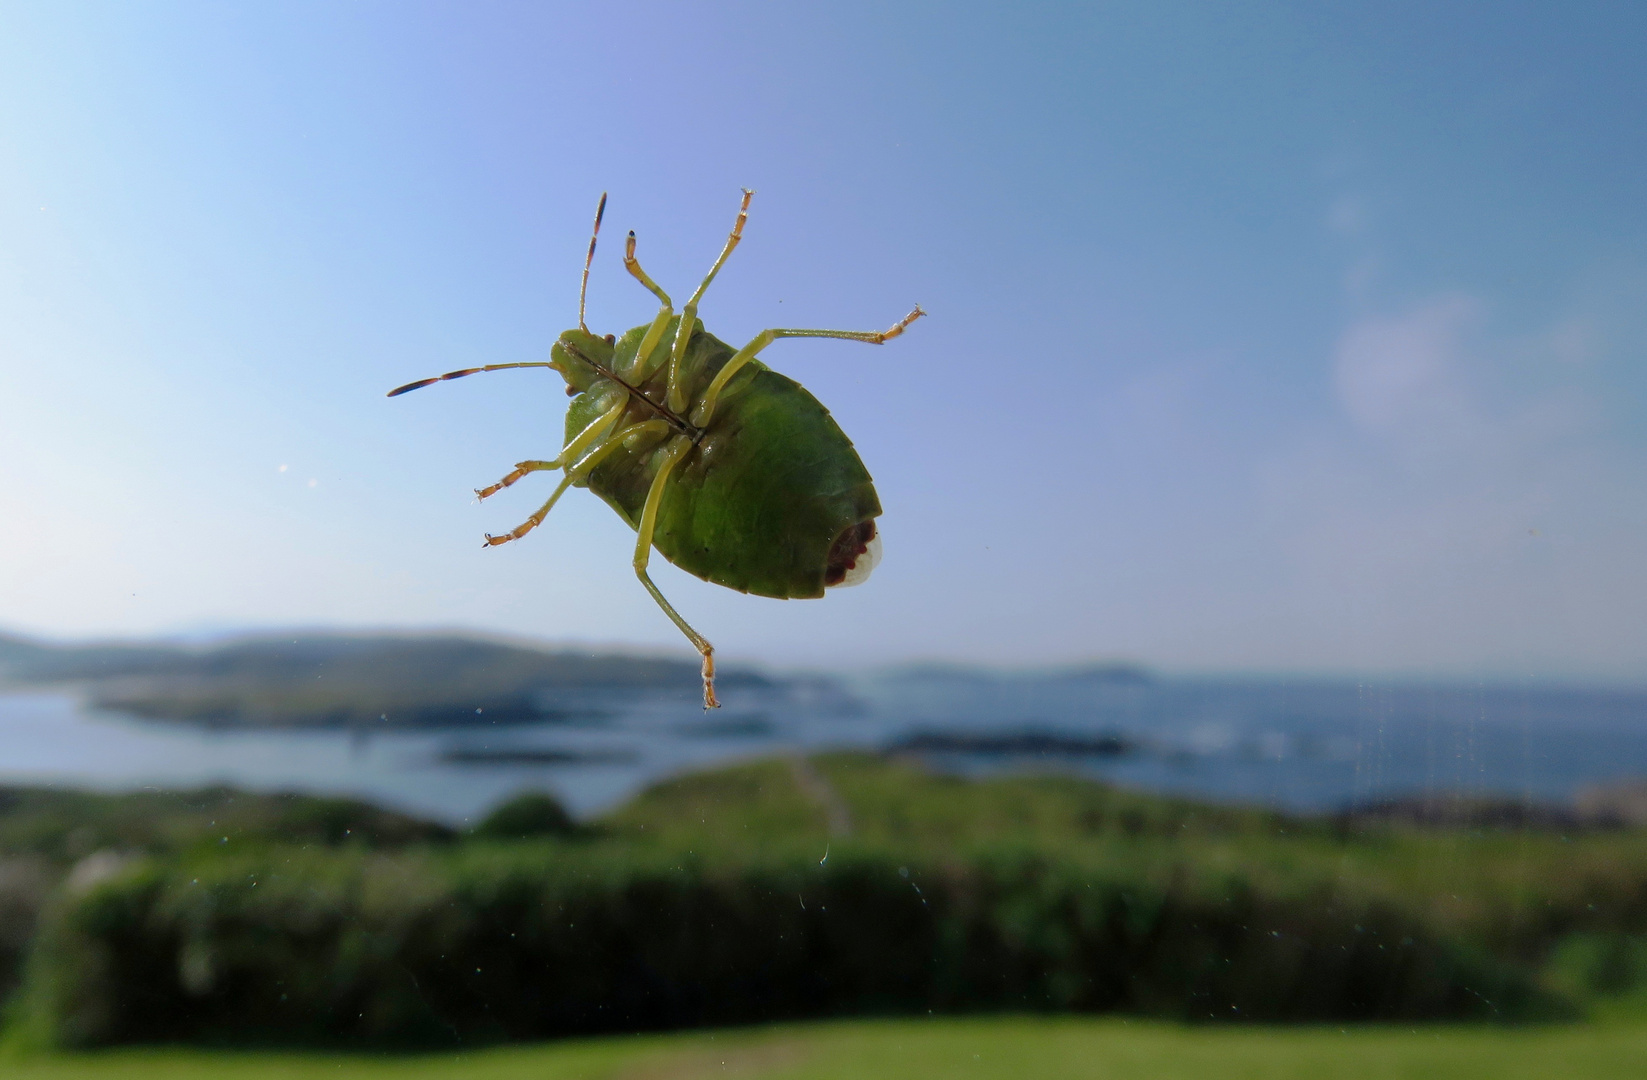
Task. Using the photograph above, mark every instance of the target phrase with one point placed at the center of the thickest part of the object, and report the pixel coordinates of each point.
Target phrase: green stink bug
(735, 473)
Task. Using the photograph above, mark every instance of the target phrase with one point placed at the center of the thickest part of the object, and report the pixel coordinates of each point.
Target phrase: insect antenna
(397, 391)
(583, 290)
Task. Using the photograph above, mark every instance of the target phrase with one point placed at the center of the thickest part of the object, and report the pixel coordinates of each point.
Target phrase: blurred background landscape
(1258, 653)
(411, 841)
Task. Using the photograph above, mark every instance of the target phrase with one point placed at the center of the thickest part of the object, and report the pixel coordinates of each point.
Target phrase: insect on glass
(733, 472)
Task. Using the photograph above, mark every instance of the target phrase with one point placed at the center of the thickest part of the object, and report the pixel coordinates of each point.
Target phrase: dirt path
(815, 786)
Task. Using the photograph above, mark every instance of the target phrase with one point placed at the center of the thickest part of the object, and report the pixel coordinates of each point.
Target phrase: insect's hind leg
(643, 556)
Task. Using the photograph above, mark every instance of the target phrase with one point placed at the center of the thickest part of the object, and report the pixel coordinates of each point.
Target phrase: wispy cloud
(1460, 515)
(1399, 374)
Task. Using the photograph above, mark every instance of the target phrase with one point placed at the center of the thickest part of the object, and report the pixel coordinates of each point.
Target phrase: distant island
(1115, 672)
(367, 681)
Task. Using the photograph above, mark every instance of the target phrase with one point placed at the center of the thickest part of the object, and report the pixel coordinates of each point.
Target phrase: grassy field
(978, 1049)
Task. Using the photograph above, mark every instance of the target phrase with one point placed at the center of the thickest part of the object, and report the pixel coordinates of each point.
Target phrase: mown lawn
(972, 1049)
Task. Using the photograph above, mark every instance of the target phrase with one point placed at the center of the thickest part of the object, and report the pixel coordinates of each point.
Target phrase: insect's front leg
(643, 556)
(521, 470)
(592, 434)
(575, 449)
(535, 520)
(572, 451)
(631, 437)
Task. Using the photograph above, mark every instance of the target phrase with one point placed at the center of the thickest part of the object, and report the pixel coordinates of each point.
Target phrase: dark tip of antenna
(588, 260)
(399, 390)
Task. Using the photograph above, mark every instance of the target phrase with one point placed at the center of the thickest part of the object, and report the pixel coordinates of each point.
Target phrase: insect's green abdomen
(776, 481)
(758, 503)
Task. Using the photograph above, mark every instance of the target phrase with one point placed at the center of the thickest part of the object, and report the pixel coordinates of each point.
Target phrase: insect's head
(572, 356)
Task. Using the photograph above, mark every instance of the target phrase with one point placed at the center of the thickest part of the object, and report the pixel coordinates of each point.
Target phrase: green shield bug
(733, 472)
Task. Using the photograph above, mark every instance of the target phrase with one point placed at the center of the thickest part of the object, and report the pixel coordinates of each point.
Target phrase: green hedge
(536, 940)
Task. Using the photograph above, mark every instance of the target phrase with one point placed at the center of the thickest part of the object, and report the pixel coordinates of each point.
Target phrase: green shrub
(1606, 965)
(537, 940)
(25, 884)
(63, 826)
(531, 813)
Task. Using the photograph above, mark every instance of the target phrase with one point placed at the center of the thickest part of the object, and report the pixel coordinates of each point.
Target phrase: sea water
(1308, 745)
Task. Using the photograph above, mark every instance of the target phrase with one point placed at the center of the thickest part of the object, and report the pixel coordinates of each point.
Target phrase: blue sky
(1296, 340)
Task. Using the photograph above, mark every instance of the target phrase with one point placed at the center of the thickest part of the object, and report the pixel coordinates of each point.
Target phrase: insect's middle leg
(676, 394)
(705, 411)
(643, 556)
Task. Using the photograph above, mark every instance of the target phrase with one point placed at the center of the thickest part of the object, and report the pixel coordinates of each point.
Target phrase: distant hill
(345, 680)
(1119, 672)
(22, 660)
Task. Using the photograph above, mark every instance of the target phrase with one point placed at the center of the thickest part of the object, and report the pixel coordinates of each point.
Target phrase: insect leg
(534, 521)
(642, 370)
(706, 404)
(632, 264)
(578, 447)
(689, 314)
(584, 465)
(643, 555)
(579, 469)
(590, 435)
(521, 470)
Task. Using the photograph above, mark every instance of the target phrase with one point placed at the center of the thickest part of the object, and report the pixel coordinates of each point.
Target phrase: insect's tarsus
(535, 520)
(588, 260)
(521, 469)
(903, 324)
